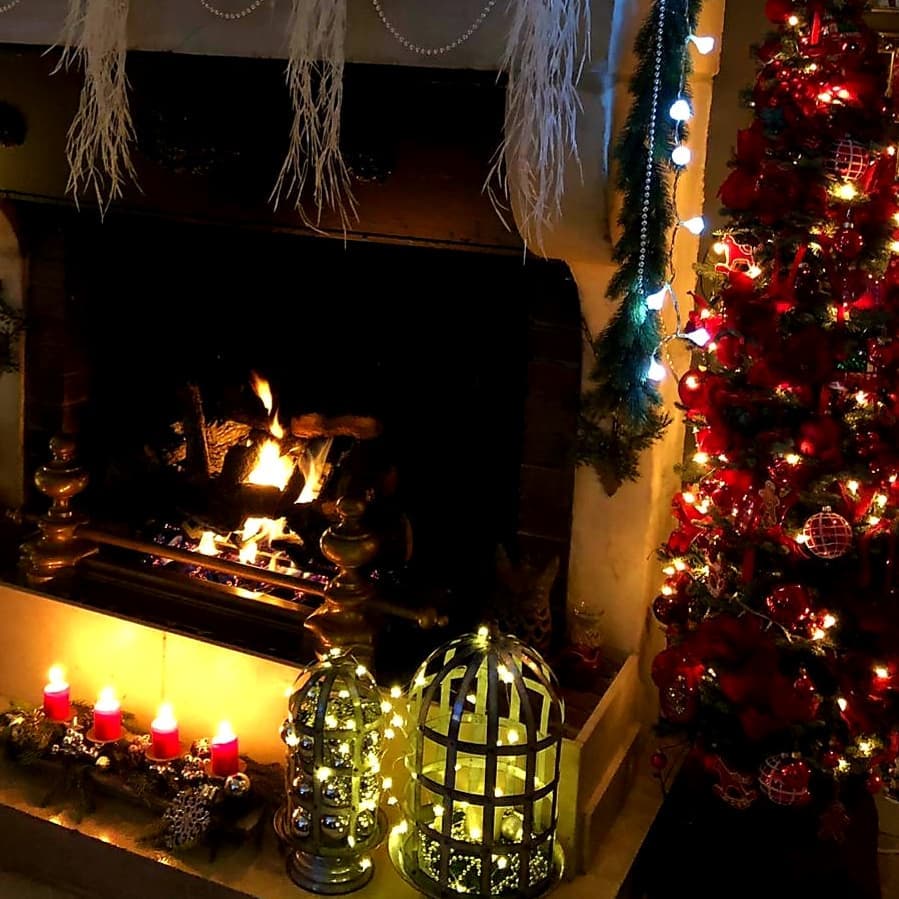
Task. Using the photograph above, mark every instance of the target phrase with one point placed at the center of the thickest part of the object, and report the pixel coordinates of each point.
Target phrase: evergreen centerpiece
(780, 604)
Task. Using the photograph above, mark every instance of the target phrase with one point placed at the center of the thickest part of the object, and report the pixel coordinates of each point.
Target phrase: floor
(14, 887)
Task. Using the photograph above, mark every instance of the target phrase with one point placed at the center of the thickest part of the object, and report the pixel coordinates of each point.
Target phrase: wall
(613, 564)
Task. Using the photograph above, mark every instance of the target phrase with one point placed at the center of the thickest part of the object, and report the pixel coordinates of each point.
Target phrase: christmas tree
(781, 598)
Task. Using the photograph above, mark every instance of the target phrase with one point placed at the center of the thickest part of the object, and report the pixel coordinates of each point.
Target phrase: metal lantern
(481, 805)
(335, 736)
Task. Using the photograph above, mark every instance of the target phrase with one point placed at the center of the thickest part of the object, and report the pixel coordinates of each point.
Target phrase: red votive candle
(56, 696)
(225, 760)
(164, 730)
(107, 716)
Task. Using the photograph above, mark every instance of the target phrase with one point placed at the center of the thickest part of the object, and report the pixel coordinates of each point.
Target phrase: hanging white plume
(95, 36)
(546, 48)
(315, 81)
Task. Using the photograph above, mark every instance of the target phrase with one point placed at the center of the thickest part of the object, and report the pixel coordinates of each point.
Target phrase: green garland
(621, 413)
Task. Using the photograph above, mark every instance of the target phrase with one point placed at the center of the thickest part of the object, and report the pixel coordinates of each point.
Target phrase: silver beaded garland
(229, 16)
(433, 51)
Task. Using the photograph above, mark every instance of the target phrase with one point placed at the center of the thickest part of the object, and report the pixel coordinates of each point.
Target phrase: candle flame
(165, 717)
(225, 733)
(57, 677)
(107, 701)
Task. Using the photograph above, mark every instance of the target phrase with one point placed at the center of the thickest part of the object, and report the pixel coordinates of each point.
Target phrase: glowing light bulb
(680, 565)
(361, 671)
(512, 736)
(873, 520)
(861, 398)
(681, 155)
(793, 21)
(656, 371)
(842, 704)
(695, 225)
(691, 382)
(667, 590)
(475, 832)
(829, 620)
(882, 672)
(387, 783)
(719, 247)
(689, 497)
(845, 191)
(365, 863)
(680, 110)
(852, 486)
(699, 336)
(438, 811)
(704, 44)
(793, 459)
(701, 458)
(881, 500)
(396, 692)
(323, 774)
(386, 707)
(483, 632)
(894, 246)
(656, 301)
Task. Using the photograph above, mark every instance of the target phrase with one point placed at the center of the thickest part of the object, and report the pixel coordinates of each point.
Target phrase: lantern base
(408, 869)
(328, 876)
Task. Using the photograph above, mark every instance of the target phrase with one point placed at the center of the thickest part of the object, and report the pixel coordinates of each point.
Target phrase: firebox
(229, 379)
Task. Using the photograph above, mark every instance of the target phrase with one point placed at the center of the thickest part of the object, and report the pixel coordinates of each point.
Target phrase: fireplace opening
(228, 385)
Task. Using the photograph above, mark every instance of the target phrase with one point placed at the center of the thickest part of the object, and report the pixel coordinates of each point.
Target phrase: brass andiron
(344, 620)
(57, 549)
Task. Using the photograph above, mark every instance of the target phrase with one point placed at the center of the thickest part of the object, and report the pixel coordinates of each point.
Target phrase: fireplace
(223, 381)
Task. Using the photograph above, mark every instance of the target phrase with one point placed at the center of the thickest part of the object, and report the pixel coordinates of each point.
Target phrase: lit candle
(107, 716)
(164, 729)
(225, 760)
(56, 695)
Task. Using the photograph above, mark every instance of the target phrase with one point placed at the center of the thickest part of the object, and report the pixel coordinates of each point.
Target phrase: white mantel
(184, 26)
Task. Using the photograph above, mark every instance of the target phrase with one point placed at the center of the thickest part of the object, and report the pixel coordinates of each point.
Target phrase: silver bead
(301, 823)
(334, 826)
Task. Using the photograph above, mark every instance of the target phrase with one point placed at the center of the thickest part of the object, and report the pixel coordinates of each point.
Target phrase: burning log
(313, 425)
(197, 449)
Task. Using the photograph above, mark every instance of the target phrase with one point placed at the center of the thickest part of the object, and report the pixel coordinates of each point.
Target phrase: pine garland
(621, 413)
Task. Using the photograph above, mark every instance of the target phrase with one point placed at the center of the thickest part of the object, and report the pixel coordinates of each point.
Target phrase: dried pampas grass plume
(315, 81)
(544, 59)
(95, 35)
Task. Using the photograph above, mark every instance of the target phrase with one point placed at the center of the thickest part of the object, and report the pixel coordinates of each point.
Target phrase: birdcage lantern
(481, 803)
(334, 734)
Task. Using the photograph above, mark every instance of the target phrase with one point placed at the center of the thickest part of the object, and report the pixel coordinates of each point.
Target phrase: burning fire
(252, 543)
(272, 469)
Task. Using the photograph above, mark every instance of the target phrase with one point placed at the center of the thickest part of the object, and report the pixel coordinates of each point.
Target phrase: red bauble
(659, 761)
(849, 160)
(778, 11)
(671, 610)
(789, 605)
(693, 389)
(849, 243)
(830, 759)
(827, 535)
(785, 780)
(740, 190)
(874, 783)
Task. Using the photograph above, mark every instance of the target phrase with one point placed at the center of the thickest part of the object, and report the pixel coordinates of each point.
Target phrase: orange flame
(313, 464)
(271, 468)
(263, 390)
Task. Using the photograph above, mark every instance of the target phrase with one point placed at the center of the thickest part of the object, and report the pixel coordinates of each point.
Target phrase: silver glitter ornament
(237, 785)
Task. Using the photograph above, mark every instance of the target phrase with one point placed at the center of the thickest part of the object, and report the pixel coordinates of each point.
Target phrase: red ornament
(830, 759)
(778, 11)
(849, 160)
(785, 780)
(827, 535)
(849, 243)
(789, 605)
(735, 788)
(874, 783)
(672, 609)
(659, 761)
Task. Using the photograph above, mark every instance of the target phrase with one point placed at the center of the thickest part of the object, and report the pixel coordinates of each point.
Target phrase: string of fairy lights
(680, 112)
